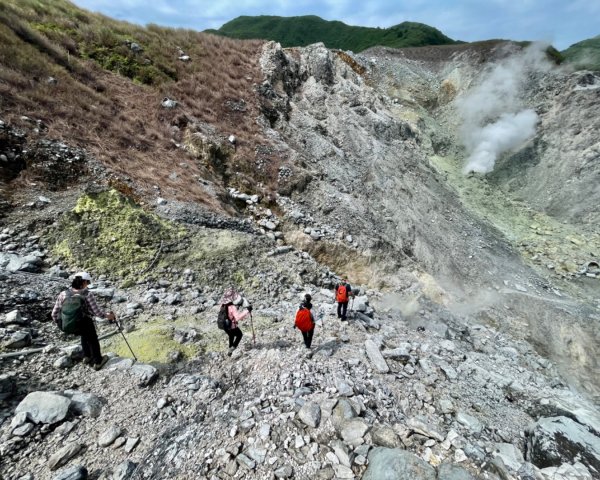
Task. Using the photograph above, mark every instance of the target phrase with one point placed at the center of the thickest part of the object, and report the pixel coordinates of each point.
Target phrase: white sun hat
(84, 276)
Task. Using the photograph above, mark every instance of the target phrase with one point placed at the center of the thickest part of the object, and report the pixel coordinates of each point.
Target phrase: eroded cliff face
(379, 137)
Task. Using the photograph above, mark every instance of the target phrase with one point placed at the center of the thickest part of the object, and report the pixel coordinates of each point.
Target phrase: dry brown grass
(121, 122)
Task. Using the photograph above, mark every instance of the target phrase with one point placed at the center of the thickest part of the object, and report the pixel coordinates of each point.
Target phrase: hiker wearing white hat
(73, 312)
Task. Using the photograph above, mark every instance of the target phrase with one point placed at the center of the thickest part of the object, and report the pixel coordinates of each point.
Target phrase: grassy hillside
(584, 54)
(98, 83)
(302, 31)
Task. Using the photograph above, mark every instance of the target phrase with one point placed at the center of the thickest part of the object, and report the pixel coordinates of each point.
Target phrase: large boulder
(557, 440)
(396, 464)
(44, 407)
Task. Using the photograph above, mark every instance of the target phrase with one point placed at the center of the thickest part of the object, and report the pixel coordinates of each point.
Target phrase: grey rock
(385, 436)
(342, 471)
(576, 471)
(63, 362)
(284, 472)
(376, 357)
(63, 455)
(17, 340)
(469, 421)
(86, 404)
(449, 471)
(343, 388)
(557, 440)
(352, 431)
(118, 363)
(420, 425)
(124, 470)
(109, 436)
(131, 443)
(13, 318)
(23, 430)
(257, 454)
(511, 456)
(246, 462)
(44, 407)
(396, 464)
(342, 411)
(18, 420)
(168, 103)
(76, 472)
(341, 452)
(75, 352)
(399, 354)
(107, 293)
(310, 414)
(145, 374)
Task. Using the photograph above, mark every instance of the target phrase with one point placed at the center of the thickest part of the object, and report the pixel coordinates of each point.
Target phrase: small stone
(131, 443)
(109, 436)
(124, 470)
(310, 414)
(63, 455)
(284, 472)
(76, 472)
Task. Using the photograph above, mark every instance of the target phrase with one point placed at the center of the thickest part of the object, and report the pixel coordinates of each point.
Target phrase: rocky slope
(465, 356)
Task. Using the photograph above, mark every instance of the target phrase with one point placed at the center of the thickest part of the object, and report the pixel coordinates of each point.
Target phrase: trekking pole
(121, 330)
(253, 334)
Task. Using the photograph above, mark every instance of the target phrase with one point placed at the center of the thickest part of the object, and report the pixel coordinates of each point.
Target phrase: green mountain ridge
(584, 54)
(305, 30)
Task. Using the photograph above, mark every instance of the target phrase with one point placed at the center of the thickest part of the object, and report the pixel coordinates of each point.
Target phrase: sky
(560, 22)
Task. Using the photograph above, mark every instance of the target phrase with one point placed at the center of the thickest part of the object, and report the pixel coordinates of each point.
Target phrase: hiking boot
(98, 366)
(86, 360)
(230, 351)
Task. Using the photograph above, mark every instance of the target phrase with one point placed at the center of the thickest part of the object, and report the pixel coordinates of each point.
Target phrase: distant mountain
(305, 30)
(584, 54)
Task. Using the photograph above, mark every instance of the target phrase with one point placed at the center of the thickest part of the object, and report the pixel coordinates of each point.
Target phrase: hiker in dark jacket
(343, 290)
(89, 337)
(305, 320)
(235, 333)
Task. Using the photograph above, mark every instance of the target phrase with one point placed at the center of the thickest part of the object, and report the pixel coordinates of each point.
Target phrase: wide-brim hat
(229, 296)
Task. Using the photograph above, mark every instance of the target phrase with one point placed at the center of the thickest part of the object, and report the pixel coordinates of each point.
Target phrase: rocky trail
(471, 350)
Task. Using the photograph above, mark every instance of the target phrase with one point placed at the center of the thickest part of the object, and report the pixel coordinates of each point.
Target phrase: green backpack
(72, 312)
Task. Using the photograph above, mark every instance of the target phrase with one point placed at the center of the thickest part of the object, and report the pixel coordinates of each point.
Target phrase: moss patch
(150, 343)
(107, 233)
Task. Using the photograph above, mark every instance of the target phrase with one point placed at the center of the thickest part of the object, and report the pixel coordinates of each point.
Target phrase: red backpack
(303, 320)
(342, 294)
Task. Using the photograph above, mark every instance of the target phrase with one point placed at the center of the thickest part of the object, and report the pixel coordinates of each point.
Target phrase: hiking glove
(249, 308)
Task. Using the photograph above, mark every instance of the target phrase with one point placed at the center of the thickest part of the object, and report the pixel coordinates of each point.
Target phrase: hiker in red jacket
(305, 321)
(343, 290)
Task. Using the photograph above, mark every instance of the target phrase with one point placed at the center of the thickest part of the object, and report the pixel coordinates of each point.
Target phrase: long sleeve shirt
(235, 315)
(90, 303)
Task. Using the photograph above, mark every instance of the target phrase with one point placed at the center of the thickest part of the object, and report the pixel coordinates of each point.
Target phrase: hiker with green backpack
(73, 312)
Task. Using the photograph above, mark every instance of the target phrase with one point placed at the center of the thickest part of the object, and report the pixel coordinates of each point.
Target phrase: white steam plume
(494, 120)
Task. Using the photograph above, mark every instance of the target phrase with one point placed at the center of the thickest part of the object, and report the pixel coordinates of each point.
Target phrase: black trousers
(89, 340)
(235, 336)
(308, 336)
(341, 311)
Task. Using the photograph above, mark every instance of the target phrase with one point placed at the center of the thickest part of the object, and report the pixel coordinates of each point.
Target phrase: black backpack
(72, 312)
(223, 320)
